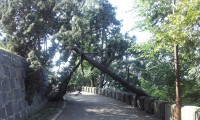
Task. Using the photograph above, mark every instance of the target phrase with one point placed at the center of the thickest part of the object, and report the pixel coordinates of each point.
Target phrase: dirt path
(89, 106)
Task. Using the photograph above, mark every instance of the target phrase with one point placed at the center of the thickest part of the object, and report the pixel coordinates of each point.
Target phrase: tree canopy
(38, 30)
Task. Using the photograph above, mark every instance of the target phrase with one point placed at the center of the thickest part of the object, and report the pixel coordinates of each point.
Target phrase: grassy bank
(46, 112)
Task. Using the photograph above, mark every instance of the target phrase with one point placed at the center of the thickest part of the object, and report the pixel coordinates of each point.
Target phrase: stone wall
(13, 105)
(160, 109)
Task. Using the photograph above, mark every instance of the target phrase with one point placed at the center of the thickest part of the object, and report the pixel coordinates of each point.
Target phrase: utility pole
(177, 81)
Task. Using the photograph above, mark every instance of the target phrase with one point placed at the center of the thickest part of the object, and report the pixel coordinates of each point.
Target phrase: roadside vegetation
(41, 30)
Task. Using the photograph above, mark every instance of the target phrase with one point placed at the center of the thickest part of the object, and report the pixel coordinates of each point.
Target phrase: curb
(59, 112)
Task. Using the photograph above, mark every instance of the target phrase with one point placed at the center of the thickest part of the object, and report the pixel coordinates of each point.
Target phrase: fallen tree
(63, 85)
(109, 72)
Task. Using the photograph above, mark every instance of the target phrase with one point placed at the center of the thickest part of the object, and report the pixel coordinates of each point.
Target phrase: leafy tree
(179, 28)
(29, 25)
(97, 32)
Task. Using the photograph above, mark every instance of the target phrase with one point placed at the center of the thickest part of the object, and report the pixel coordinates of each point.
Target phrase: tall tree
(96, 31)
(30, 24)
(168, 28)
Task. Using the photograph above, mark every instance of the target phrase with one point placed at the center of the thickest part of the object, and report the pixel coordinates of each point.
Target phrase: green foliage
(155, 70)
(29, 26)
(46, 112)
(168, 28)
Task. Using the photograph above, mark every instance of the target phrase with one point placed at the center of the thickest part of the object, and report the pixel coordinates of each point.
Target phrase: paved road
(88, 106)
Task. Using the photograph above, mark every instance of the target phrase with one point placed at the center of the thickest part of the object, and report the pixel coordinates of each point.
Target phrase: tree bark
(178, 95)
(114, 76)
(177, 81)
(101, 80)
(63, 86)
(92, 81)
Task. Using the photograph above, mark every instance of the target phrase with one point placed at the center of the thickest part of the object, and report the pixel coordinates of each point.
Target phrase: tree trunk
(92, 81)
(114, 76)
(63, 86)
(101, 80)
(177, 81)
(178, 95)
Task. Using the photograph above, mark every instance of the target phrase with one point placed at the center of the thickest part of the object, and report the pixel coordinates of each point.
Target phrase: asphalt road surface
(88, 106)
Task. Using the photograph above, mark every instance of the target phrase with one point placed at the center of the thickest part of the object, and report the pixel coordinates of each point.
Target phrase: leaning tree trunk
(63, 86)
(114, 76)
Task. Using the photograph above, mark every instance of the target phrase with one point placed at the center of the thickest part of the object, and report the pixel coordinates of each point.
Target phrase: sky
(123, 13)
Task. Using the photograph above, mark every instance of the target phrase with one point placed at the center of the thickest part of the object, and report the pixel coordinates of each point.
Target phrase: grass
(46, 112)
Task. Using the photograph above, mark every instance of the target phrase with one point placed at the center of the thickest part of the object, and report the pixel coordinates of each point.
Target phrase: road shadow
(88, 106)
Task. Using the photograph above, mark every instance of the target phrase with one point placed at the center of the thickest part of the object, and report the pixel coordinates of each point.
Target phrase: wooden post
(177, 81)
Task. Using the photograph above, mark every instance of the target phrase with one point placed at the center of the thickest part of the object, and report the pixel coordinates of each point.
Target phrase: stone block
(100, 91)
(118, 95)
(6, 85)
(113, 92)
(2, 113)
(159, 109)
(128, 98)
(190, 113)
(134, 100)
(103, 91)
(109, 93)
(94, 90)
(122, 98)
(169, 111)
(22, 83)
(2, 75)
(84, 89)
(12, 83)
(15, 106)
(149, 105)
(1, 56)
(22, 93)
(25, 104)
(7, 59)
(90, 89)
(6, 70)
(1, 101)
(97, 90)
(17, 62)
(13, 72)
(1, 87)
(17, 94)
(9, 109)
(17, 83)
(106, 92)
(4, 98)
(140, 103)
(10, 95)
(22, 74)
